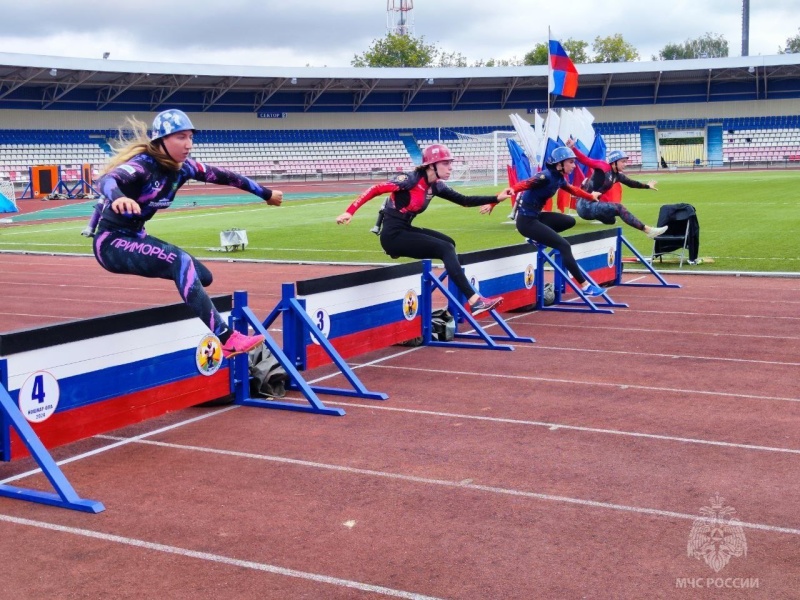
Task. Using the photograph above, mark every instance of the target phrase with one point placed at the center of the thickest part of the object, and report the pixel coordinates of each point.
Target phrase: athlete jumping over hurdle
(605, 175)
(410, 194)
(142, 177)
(544, 227)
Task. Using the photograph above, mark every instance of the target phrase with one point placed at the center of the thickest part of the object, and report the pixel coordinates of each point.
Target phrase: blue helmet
(560, 154)
(168, 122)
(616, 155)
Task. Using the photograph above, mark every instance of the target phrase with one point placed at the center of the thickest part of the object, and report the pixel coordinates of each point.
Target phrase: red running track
(570, 468)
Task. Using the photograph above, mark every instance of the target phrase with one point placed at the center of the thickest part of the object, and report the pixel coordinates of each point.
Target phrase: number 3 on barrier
(323, 323)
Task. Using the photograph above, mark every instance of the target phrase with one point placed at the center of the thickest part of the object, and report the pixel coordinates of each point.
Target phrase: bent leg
(629, 218)
(419, 243)
(558, 222)
(605, 212)
(152, 257)
(538, 231)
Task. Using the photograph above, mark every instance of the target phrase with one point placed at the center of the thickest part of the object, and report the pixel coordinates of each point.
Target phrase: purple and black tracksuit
(121, 244)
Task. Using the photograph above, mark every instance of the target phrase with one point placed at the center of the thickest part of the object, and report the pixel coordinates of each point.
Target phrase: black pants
(123, 251)
(544, 229)
(399, 238)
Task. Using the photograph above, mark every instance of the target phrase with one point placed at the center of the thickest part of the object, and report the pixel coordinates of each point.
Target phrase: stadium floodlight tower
(745, 27)
(398, 17)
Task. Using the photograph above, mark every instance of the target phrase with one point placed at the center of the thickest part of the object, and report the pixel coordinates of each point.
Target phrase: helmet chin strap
(164, 148)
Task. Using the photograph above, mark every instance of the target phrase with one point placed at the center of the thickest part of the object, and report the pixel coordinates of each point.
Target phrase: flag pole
(549, 69)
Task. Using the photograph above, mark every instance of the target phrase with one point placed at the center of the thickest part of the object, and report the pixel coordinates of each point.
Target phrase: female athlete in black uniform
(544, 227)
(143, 177)
(410, 194)
(605, 175)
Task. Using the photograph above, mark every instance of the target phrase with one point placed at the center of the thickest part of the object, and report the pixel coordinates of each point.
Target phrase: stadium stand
(377, 153)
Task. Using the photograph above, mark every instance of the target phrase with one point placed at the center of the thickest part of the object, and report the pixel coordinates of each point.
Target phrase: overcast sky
(330, 32)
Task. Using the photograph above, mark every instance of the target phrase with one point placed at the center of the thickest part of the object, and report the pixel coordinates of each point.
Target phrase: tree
(792, 45)
(575, 48)
(396, 50)
(499, 62)
(450, 59)
(613, 49)
(710, 45)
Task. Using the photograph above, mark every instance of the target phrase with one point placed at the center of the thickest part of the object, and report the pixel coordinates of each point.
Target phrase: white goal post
(7, 191)
(485, 155)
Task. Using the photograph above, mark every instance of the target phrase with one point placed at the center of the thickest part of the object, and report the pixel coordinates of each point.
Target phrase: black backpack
(267, 375)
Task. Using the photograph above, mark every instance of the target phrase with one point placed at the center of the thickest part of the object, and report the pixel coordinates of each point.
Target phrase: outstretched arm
(537, 181)
(576, 191)
(375, 190)
(586, 161)
(631, 183)
(487, 209)
(218, 175)
(118, 188)
(450, 194)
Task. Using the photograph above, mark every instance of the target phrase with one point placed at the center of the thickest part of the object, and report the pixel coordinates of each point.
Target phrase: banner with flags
(530, 137)
(540, 139)
(563, 76)
(522, 166)
(551, 139)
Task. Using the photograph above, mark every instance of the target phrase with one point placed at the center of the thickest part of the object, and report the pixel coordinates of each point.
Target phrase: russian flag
(563, 77)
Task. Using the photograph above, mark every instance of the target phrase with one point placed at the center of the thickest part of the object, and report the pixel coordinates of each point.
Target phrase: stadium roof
(59, 83)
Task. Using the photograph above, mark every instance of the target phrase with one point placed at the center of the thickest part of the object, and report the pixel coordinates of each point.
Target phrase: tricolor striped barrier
(509, 272)
(75, 380)
(361, 312)
(67, 382)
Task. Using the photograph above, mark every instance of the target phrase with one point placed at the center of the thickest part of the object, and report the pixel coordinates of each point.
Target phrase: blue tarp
(6, 206)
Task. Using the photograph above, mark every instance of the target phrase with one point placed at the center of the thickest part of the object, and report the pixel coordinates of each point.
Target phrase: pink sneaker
(481, 305)
(240, 343)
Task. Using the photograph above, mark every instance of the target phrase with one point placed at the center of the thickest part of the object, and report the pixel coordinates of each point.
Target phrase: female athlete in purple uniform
(143, 177)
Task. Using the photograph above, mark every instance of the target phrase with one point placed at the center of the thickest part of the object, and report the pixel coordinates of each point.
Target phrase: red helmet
(435, 153)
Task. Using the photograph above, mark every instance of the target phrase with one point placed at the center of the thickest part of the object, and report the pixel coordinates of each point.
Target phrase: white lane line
(657, 355)
(463, 485)
(377, 361)
(701, 314)
(684, 391)
(717, 299)
(217, 558)
(668, 331)
(120, 443)
(551, 426)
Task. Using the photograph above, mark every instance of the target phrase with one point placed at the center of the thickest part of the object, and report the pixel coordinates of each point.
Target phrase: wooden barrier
(79, 379)
(361, 312)
(508, 272)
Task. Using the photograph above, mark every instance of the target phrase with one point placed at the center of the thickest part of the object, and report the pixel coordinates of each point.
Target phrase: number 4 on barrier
(66, 497)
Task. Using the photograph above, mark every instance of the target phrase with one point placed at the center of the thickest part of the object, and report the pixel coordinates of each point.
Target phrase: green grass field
(749, 221)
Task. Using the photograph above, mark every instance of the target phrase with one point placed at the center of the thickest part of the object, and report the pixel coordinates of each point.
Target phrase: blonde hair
(133, 140)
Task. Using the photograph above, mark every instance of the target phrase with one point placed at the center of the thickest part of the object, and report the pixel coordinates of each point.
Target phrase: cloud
(321, 32)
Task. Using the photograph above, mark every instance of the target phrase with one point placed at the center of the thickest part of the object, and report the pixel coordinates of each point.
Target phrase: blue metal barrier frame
(71, 191)
(618, 281)
(562, 279)
(430, 282)
(66, 496)
(295, 323)
(241, 317)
